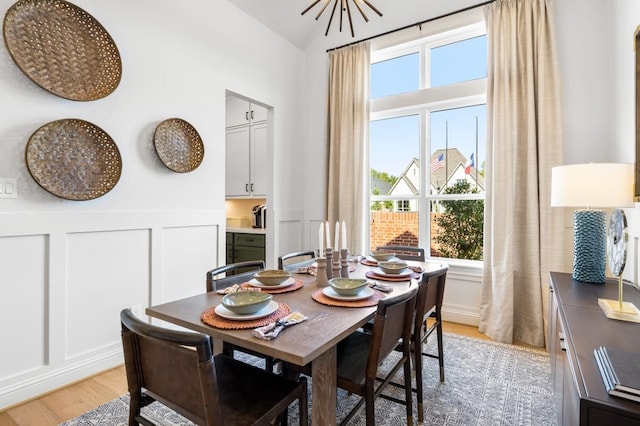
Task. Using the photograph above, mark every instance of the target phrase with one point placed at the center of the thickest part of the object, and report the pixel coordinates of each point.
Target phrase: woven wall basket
(62, 49)
(73, 159)
(178, 145)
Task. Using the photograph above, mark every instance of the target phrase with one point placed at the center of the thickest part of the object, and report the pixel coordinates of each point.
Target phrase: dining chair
(178, 369)
(405, 252)
(237, 273)
(234, 273)
(360, 355)
(291, 261)
(427, 319)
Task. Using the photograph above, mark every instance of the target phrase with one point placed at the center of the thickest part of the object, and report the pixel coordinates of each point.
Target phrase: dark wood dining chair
(291, 261)
(360, 355)
(237, 273)
(405, 252)
(178, 369)
(427, 319)
(234, 273)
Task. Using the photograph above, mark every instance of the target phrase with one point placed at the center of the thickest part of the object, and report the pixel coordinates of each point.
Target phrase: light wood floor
(73, 400)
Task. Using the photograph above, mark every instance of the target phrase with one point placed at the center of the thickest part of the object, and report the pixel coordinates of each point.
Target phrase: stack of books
(620, 372)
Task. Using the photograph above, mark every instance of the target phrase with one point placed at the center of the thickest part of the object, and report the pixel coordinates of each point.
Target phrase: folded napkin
(385, 288)
(311, 270)
(236, 287)
(417, 269)
(271, 331)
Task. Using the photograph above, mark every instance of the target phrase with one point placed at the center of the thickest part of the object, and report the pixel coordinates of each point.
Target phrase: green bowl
(394, 267)
(272, 276)
(347, 286)
(382, 256)
(246, 302)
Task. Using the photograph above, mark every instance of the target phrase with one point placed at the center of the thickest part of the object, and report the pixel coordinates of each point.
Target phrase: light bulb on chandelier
(344, 8)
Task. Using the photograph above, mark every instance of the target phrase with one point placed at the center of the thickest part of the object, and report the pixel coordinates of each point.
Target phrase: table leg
(324, 392)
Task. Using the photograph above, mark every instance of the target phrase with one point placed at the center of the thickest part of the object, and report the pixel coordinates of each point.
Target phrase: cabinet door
(237, 162)
(259, 162)
(257, 114)
(238, 112)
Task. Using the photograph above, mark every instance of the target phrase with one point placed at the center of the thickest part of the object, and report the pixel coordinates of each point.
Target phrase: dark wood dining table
(312, 340)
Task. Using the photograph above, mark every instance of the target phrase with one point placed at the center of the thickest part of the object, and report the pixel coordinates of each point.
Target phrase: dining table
(312, 341)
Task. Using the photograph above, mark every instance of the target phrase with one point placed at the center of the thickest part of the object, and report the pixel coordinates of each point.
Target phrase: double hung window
(427, 142)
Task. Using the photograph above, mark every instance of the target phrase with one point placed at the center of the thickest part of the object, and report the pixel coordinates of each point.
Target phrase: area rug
(486, 383)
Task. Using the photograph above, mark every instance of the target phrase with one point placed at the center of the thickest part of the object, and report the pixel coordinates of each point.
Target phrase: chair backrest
(165, 364)
(291, 261)
(430, 294)
(245, 269)
(405, 252)
(393, 321)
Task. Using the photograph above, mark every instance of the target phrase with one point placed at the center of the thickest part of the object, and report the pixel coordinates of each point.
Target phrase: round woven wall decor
(178, 145)
(73, 159)
(63, 49)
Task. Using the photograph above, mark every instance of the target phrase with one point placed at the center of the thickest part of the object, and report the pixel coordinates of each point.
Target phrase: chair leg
(369, 403)
(304, 404)
(440, 349)
(417, 365)
(407, 389)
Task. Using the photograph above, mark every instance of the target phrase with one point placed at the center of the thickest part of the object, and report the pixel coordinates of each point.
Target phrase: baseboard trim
(53, 379)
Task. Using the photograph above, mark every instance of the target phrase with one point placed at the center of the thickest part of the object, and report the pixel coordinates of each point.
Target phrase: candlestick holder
(336, 273)
(344, 267)
(321, 275)
(329, 268)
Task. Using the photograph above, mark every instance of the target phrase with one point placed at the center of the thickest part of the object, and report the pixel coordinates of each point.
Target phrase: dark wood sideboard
(577, 326)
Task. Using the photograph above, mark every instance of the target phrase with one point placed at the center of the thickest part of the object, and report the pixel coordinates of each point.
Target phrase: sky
(394, 142)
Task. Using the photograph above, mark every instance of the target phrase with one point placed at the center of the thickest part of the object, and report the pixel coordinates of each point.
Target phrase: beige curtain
(348, 125)
(522, 233)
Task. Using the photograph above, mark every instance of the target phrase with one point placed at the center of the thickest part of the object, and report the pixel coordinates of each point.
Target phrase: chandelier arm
(310, 7)
(331, 18)
(322, 10)
(372, 7)
(361, 11)
(349, 16)
(341, 12)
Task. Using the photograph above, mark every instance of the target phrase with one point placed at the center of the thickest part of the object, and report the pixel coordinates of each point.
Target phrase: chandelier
(344, 9)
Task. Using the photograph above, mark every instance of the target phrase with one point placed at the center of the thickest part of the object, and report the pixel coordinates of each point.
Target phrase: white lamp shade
(592, 185)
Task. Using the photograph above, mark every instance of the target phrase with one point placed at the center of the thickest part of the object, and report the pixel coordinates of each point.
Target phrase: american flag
(437, 163)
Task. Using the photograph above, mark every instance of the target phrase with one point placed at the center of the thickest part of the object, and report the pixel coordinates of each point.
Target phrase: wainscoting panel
(23, 305)
(102, 279)
(187, 255)
(65, 276)
(290, 237)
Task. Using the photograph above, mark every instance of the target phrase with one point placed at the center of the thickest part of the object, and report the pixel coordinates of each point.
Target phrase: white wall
(67, 268)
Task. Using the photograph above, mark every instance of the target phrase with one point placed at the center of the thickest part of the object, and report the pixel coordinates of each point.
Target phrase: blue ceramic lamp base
(590, 246)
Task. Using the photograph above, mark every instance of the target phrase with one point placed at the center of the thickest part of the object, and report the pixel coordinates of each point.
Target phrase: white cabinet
(246, 161)
(241, 112)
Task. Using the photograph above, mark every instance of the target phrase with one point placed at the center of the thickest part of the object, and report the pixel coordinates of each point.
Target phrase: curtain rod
(412, 25)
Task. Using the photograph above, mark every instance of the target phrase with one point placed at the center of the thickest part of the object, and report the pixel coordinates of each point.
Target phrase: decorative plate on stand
(62, 49)
(73, 159)
(178, 145)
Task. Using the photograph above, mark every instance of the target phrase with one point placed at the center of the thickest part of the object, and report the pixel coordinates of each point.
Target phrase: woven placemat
(73, 159)
(374, 276)
(62, 49)
(320, 297)
(210, 317)
(293, 287)
(178, 145)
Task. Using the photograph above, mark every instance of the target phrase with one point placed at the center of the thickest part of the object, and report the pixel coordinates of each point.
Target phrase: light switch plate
(8, 188)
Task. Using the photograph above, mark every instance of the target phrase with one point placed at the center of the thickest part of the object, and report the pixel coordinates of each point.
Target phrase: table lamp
(590, 187)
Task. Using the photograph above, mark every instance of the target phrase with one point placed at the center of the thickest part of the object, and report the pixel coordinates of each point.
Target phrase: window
(428, 107)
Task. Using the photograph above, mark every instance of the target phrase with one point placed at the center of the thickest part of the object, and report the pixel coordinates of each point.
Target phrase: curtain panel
(522, 233)
(348, 125)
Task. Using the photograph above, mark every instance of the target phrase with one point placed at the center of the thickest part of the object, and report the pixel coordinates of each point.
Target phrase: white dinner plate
(379, 272)
(267, 310)
(365, 293)
(286, 283)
